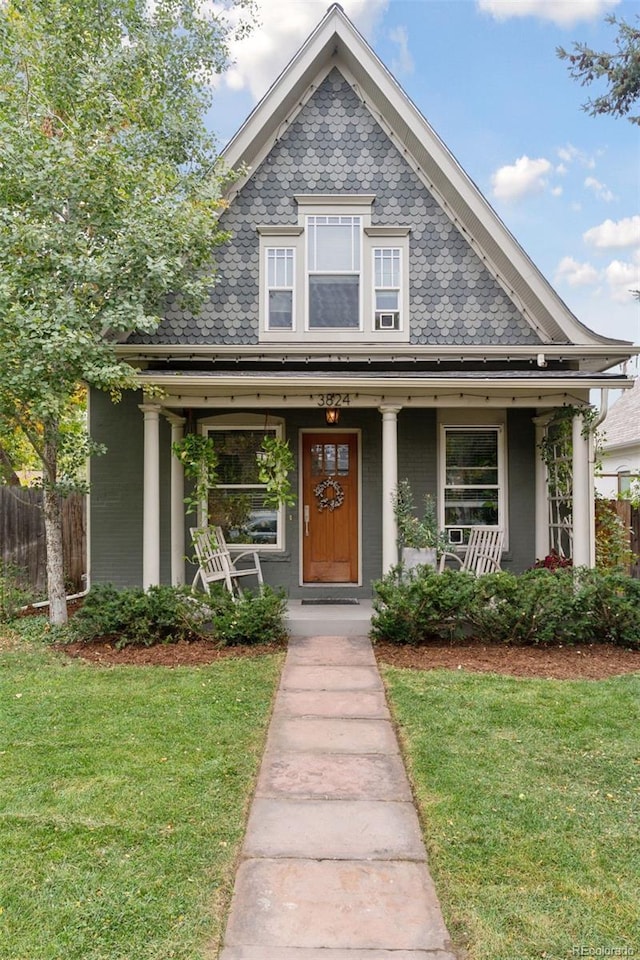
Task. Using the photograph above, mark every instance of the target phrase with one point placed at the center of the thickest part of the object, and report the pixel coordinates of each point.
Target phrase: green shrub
(613, 549)
(540, 606)
(162, 614)
(536, 607)
(15, 591)
(412, 606)
(253, 618)
(610, 605)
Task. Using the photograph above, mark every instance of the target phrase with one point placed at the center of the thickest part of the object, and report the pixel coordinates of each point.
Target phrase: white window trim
(373, 236)
(247, 421)
(477, 423)
(267, 289)
(392, 243)
(359, 273)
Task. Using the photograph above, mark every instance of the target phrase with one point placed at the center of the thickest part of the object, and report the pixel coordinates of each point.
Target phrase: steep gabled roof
(336, 43)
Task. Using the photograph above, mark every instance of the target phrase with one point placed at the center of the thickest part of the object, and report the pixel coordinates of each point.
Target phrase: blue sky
(486, 76)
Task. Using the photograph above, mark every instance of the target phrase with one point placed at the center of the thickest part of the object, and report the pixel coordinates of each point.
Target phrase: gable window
(280, 272)
(386, 279)
(333, 251)
(236, 503)
(472, 484)
(334, 276)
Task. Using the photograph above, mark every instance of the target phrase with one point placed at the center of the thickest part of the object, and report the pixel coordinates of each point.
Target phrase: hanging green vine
(558, 439)
(199, 459)
(275, 463)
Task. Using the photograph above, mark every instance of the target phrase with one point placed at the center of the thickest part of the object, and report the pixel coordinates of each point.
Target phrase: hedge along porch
(364, 272)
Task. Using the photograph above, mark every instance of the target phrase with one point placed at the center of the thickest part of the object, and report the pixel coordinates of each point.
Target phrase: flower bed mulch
(180, 654)
(587, 662)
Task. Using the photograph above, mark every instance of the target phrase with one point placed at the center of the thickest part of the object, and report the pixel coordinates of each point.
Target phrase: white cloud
(563, 12)
(282, 28)
(520, 178)
(623, 278)
(403, 62)
(567, 154)
(556, 191)
(620, 233)
(571, 154)
(600, 189)
(576, 274)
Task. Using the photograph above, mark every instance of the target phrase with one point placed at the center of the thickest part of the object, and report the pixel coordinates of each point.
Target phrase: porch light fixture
(332, 414)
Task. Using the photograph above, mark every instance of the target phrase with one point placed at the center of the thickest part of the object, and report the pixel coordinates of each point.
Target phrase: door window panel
(343, 459)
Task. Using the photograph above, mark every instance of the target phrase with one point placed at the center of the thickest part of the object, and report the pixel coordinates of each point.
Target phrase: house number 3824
(334, 399)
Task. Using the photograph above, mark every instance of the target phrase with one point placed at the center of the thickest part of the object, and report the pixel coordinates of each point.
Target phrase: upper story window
(387, 272)
(280, 288)
(333, 255)
(334, 276)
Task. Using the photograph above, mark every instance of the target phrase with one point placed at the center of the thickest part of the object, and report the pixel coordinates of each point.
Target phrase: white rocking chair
(215, 563)
(483, 552)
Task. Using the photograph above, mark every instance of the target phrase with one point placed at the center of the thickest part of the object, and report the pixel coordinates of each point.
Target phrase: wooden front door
(330, 508)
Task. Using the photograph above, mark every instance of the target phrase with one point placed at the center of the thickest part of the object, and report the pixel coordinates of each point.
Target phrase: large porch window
(472, 485)
(236, 503)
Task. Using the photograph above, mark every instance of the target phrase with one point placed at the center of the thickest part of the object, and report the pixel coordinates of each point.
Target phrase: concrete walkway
(333, 866)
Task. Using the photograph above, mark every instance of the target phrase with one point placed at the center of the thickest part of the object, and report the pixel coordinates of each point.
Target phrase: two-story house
(372, 309)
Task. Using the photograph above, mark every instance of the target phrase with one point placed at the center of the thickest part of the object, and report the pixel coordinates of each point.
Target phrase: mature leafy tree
(109, 200)
(620, 70)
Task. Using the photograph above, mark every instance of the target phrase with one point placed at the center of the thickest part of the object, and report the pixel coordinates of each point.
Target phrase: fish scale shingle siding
(336, 146)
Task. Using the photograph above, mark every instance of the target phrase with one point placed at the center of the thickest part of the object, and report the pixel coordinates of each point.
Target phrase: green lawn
(123, 796)
(529, 794)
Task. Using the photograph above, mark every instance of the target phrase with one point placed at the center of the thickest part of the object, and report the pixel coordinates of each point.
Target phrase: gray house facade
(372, 310)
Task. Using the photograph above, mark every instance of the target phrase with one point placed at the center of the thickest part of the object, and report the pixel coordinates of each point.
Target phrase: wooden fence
(22, 539)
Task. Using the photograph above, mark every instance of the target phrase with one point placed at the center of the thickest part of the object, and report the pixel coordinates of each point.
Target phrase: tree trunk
(53, 536)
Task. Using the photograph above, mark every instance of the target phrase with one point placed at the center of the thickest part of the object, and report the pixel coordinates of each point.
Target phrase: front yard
(529, 792)
(124, 791)
(123, 797)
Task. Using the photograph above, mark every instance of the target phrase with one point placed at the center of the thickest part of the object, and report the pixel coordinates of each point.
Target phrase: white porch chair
(483, 553)
(215, 563)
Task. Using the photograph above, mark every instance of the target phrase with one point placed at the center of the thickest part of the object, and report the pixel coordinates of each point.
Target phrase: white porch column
(583, 524)
(151, 496)
(541, 492)
(177, 503)
(389, 483)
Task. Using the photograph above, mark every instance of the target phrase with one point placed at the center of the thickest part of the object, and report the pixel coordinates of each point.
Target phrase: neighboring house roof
(622, 424)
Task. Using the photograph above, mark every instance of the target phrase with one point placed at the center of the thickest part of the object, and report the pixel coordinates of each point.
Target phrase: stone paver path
(333, 866)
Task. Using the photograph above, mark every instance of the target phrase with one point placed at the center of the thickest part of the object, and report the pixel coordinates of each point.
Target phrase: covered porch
(383, 399)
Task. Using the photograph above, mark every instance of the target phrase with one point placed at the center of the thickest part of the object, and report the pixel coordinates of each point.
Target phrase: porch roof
(285, 388)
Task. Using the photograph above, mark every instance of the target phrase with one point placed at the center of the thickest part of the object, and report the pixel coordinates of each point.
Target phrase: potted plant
(419, 539)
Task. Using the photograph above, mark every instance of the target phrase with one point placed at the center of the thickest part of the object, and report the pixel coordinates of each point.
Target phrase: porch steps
(345, 620)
